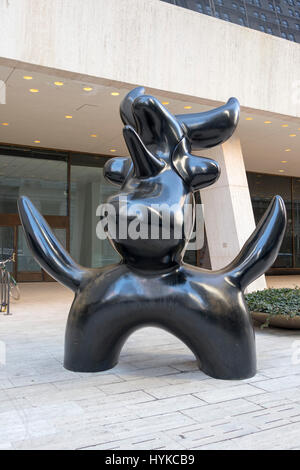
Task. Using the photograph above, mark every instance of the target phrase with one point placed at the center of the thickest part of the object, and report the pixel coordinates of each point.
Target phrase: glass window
(255, 14)
(284, 23)
(43, 181)
(243, 10)
(297, 26)
(26, 262)
(271, 6)
(88, 189)
(263, 17)
(261, 27)
(262, 189)
(269, 30)
(283, 34)
(242, 21)
(290, 12)
(296, 209)
(278, 9)
(7, 245)
(291, 37)
(220, 2)
(225, 16)
(217, 14)
(234, 5)
(297, 14)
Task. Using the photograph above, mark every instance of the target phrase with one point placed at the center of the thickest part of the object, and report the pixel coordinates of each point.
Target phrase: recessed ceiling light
(249, 119)
(34, 90)
(115, 93)
(68, 116)
(187, 107)
(281, 171)
(165, 102)
(93, 135)
(5, 124)
(287, 150)
(267, 122)
(87, 88)
(37, 141)
(285, 125)
(27, 77)
(292, 135)
(112, 150)
(58, 83)
(283, 161)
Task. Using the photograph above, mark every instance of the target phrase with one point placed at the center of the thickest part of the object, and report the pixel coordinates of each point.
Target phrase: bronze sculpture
(152, 285)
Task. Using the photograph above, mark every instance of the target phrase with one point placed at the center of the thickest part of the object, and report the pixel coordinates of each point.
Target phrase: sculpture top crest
(151, 285)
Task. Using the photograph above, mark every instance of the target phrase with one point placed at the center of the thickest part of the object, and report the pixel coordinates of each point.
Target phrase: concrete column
(228, 213)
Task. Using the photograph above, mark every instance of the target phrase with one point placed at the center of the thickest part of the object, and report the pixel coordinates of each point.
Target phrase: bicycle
(8, 286)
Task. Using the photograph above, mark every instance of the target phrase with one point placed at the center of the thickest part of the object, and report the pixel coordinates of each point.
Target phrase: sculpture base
(119, 300)
(102, 367)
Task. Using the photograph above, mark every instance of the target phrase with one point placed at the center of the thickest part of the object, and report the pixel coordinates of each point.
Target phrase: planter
(280, 321)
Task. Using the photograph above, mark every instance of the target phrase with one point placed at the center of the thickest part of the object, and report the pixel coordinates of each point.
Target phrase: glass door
(88, 189)
(42, 177)
(262, 189)
(7, 242)
(27, 268)
(296, 220)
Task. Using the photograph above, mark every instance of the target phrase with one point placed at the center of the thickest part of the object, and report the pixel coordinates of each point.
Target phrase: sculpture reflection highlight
(152, 285)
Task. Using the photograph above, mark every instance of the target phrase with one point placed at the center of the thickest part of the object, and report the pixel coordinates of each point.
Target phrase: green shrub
(275, 302)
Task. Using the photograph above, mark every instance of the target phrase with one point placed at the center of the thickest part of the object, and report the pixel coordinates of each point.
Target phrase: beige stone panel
(228, 213)
(156, 44)
(221, 227)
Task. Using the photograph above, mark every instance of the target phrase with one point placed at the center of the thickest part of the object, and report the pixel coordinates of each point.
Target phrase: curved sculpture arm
(126, 106)
(197, 172)
(145, 164)
(47, 250)
(117, 169)
(205, 130)
(261, 249)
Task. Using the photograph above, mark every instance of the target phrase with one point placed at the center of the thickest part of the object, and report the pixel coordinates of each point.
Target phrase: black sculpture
(152, 285)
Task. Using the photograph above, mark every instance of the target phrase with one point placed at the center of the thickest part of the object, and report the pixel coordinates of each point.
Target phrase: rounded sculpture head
(154, 214)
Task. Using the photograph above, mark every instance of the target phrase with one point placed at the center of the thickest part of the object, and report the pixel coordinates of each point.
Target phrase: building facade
(277, 17)
(64, 80)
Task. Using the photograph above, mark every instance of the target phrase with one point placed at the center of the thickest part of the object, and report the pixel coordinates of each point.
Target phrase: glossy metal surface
(152, 285)
(205, 130)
